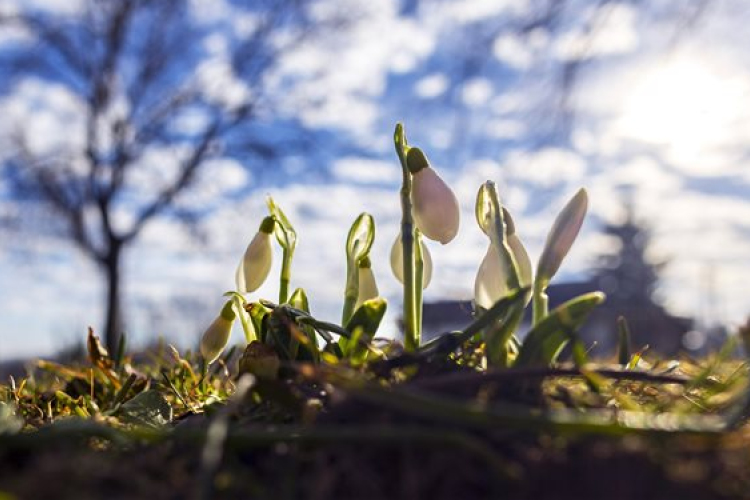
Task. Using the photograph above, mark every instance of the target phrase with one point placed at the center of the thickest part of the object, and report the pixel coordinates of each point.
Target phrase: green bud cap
(416, 160)
(227, 312)
(364, 263)
(267, 225)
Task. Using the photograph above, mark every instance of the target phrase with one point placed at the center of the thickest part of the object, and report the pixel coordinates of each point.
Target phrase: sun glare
(686, 106)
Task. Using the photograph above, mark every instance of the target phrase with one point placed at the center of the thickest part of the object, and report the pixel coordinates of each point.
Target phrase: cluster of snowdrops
(505, 282)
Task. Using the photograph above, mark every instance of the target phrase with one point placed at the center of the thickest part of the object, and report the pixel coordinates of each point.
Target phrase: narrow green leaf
(545, 341)
(367, 319)
(623, 351)
(449, 342)
(258, 313)
(310, 351)
(285, 233)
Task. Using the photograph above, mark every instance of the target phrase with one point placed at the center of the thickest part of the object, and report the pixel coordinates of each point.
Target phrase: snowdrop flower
(217, 334)
(436, 209)
(256, 263)
(397, 262)
(561, 237)
(492, 281)
(368, 289)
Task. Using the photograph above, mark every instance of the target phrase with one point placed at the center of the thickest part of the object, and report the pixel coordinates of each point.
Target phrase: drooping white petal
(216, 336)
(436, 210)
(368, 289)
(490, 284)
(397, 262)
(522, 260)
(255, 264)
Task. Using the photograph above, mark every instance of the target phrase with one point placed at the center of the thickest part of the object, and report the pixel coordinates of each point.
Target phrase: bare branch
(183, 180)
(56, 51)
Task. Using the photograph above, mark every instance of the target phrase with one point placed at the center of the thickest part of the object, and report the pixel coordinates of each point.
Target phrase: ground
(429, 430)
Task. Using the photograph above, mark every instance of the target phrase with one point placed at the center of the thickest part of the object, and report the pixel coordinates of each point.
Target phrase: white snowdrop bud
(217, 334)
(256, 263)
(561, 237)
(368, 289)
(397, 262)
(491, 283)
(436, 210)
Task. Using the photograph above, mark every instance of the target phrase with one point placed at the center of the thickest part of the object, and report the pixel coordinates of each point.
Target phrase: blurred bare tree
(147, 80)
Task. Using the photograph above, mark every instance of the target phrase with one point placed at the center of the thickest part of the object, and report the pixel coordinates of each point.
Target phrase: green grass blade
(623, 350)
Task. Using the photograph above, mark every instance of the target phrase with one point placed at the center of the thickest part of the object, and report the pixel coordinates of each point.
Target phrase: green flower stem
(498, 337)
(349, 301)
(540, 304)
(418, 280)
(352, 289)
(411, 330)
(246, 327)
(286, 272)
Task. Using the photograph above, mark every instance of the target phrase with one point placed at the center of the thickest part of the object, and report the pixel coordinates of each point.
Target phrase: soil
(522, 465)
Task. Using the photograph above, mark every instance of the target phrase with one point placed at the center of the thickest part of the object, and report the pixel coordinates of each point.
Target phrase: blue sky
(661, 109)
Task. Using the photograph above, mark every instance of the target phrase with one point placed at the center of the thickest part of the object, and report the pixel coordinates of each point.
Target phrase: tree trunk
(113, 319)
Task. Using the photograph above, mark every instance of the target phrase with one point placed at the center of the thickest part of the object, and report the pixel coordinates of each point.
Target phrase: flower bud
(436, 210)
(491, 283)
(523, 262)
(561, 237)
(368, 289)
(256, 263)
(397, 262)
(506, 254)
(217, 334)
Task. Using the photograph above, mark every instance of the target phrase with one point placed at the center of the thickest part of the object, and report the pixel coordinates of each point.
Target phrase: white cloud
(645, 173)
(219, 84)
(221, 175)
(58, 7)
(156, 169)
(476, 92)
(363, 171)
(617, 32)
(513, 51)
(344, 93)
(431, 86)
(469, 11)
(547, 166)
(505, 129)
(614, 33)
(14, 34)
(510, 101)
(210, 11)
(40, 110)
